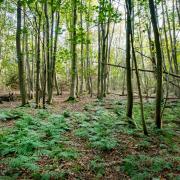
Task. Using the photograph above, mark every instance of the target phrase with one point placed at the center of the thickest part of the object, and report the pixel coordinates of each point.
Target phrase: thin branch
(138, 53)
(145, 70)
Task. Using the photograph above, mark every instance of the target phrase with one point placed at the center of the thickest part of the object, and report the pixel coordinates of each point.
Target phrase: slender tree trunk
(33, 52)
(177, 92)
(139, 86)
(44, 68)
(87, 56)
(142, 58)
(106, 57)
(53, 61)
(103, 56)
(174, 39)
(82, 49)
(38, 64)
(169, 30)
(73, 42)
(159, 63)
(99, 62)
(26, 56)
(56, 85)
(77, 85)
(47, 47)
(19, 56)
(128, 61)
(151, 48)
(166, 38)
(178, 10)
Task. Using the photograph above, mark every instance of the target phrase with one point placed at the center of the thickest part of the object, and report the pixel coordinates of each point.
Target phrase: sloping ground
(88, 140)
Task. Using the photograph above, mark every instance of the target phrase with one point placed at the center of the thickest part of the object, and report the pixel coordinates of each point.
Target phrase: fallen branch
(147, 97)
(7, 98)
(145, 70)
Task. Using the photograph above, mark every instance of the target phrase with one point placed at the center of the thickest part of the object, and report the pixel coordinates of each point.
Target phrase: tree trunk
(87, 56)
(38, 63)
(53, 62)
(139, 86)
(99, 62)
(56, 85)
(82, 49)
(47, 47)
(73, 44)
(128, 62)
(159, 63)
(44, 68)
(19, 56)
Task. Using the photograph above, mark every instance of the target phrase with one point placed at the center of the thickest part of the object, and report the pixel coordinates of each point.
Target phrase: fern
(144, 166)
(68, 154)
(104, 144)
(22, 161)
(42, 114)
(51, 175)
(97, 166)
(100, 131)
(66, 114)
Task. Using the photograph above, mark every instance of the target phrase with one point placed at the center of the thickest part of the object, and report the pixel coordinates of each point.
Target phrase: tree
(38, 37)
(128, 61)
(159, 63)
(73, 49)
(19, 56)
(82, 48)
(138, 84)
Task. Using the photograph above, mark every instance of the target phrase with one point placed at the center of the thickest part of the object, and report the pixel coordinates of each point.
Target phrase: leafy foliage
(97, 166)
(100, 131)
(40, 143)
(33, 137)
(144, 166)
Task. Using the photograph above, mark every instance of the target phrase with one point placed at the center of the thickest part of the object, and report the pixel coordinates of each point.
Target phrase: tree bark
(47, 47)
(53, 62)
(38, 64)
(128, 61)
(159, 64)
(82, 49)
(139, 86)
(73, 44)
(19, 57)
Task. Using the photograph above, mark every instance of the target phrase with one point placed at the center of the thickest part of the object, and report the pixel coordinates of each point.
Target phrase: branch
(138, 53)
(145, 70)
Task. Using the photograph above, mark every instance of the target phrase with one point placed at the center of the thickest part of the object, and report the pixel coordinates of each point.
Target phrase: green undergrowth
(97, 166)
(39, 141)
(147, 167)
(32, 138)
(99, 129)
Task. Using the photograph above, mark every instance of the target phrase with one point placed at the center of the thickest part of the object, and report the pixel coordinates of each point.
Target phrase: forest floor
(89, 139)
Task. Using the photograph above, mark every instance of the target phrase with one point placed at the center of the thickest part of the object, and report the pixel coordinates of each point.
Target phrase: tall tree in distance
(20, 59)
(159, 63)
